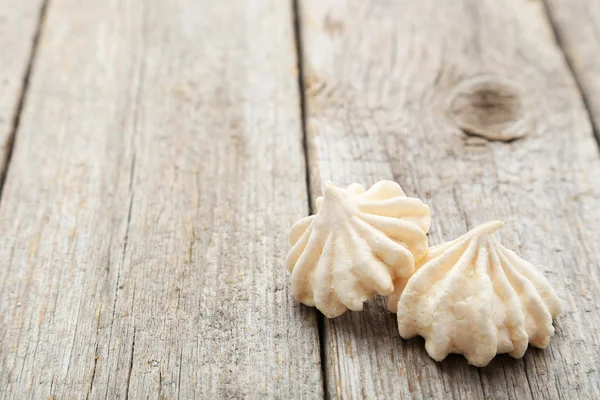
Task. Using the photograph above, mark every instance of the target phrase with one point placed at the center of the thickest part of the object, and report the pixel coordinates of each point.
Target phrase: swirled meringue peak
(472, 296)
(356, 245)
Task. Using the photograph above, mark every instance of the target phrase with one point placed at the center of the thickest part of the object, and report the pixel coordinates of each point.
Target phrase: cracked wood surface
(378, 78)
(18, 26)
(157, 167)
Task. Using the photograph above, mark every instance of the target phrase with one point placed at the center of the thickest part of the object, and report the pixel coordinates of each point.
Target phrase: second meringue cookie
(473, 296)
(359, 242)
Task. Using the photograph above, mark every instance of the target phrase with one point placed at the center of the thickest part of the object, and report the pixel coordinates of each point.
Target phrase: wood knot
(491, 108)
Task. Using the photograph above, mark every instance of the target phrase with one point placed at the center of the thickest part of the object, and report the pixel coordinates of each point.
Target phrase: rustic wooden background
(155, 152)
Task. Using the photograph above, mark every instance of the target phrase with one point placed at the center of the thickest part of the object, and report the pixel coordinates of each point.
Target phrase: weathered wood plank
(379, 75)
(18, 25)
(157, 167)
(577, 25)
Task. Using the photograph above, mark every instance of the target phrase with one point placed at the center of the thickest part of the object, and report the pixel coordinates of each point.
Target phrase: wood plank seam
(302, 97)
(22, 98)
(584, 98)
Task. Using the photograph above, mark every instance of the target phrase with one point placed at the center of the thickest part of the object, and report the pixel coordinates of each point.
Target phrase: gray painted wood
(157, 168)
(379, 77)
(18, 26)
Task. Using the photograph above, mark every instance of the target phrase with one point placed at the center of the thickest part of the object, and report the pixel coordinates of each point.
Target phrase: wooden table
(154, 154)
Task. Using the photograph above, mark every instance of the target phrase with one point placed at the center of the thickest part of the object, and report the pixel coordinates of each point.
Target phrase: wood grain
(378, 76)
(578, 30)
(19, 22)
(157, 167)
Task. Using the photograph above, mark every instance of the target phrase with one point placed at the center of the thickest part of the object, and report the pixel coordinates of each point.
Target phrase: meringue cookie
(474, 297)
(356, 245)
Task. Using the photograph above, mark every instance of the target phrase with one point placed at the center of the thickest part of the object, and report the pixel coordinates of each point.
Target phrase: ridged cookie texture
(356, 245)
(474, 297)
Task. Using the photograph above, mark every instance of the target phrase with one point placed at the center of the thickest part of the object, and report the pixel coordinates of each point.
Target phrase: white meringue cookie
(356, 245)
(474, 297)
